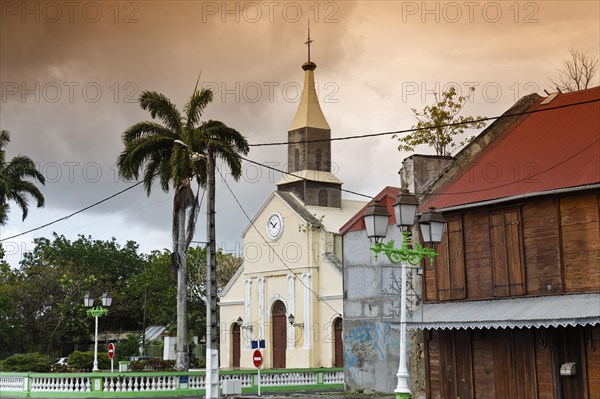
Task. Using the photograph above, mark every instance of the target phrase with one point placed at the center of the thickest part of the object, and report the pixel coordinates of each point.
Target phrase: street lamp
(96, 312)
(240, 323)
(292, 321)
(432, 227)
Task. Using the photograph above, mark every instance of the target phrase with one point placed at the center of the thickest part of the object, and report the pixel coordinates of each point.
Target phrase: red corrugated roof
(387, 196)
(545, 151)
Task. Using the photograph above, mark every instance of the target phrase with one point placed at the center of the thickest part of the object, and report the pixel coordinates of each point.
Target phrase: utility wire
(300, 177)
(334, 139)
(489, 118)
(269, 245)
(74, 213)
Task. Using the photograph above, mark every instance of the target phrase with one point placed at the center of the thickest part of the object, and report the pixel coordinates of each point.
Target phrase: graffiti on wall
(368, 342)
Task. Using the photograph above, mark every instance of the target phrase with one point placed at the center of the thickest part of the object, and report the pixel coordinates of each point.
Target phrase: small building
(512, 302)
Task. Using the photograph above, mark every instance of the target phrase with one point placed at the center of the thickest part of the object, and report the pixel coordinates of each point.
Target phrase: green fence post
(96, 383)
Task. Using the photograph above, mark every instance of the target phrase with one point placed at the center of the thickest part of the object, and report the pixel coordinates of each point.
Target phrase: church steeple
(309, 112)
(309, 148)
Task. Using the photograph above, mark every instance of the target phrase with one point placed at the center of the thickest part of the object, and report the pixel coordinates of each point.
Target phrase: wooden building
(512, 303)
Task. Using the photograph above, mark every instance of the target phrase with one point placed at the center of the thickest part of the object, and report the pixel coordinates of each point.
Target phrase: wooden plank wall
(478, 264)
(512, 363)
(592, 353)
(561, 248)
(541, 236)
(581, 242)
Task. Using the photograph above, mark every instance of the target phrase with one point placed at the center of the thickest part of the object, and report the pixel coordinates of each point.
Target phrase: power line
(333, 139)
(300, 177)
(486, 119)
(74, 213)
(269, 245)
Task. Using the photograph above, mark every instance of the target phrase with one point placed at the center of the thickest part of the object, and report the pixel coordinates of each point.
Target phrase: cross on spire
(308, 41)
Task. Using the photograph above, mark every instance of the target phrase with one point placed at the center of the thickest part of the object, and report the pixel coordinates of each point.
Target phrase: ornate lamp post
(432, 225)
(96, 312)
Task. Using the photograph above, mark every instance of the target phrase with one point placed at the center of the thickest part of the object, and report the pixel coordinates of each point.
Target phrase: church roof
(312, 175)
(309, 112)
(331, 219)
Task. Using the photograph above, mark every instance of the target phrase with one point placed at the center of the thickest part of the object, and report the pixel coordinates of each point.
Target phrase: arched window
(296, 160)
(318, 159)
(323, 200)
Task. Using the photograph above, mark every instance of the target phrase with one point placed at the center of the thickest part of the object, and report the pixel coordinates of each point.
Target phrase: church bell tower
(309, 149)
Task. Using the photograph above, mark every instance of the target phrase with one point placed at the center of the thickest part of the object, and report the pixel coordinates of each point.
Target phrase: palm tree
(164, 152)
(14, 183)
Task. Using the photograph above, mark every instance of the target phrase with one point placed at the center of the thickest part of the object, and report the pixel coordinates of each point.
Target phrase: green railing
(157, 384)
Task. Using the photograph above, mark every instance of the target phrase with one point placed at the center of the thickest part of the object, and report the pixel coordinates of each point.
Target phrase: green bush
(197, 362)
(152, 365)
(84, 361)
(34, 362)
(130, 346)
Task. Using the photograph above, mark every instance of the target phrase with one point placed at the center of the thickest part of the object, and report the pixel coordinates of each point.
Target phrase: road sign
(111, 350)
(258, 344)
(257, 358)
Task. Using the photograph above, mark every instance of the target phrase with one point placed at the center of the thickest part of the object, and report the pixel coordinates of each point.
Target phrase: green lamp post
(96, 312)
(432, 226)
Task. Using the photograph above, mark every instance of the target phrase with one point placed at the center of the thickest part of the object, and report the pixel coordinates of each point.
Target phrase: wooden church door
(279, 334)
(338, 343)
(235, 346)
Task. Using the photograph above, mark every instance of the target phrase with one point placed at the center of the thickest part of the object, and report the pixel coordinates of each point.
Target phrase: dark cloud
(70, 85)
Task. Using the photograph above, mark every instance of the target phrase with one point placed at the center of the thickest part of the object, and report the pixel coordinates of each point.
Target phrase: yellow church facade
(289, 290)
(297, 274)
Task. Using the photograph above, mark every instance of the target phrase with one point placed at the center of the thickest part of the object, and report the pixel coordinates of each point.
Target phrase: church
(289, 290)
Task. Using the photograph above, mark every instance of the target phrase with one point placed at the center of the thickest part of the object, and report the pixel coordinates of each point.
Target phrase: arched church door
(279, 334)
(338, 344)
(235, 346)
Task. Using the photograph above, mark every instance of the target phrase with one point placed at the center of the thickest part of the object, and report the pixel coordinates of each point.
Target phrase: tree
(44, 297)
(152, 147)
(14, 181)
(576, 73)
(438, 124)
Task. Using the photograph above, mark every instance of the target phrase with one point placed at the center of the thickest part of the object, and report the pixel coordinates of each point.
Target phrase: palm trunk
(212, 354)
(182, 360)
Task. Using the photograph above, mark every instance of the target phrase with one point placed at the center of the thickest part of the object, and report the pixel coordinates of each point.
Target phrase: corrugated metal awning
(542, 311)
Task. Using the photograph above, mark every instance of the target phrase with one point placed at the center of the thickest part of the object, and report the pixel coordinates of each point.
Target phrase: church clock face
(274, 226)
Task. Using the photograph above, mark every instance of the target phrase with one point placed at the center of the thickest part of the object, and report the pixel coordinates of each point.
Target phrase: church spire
(309, 112)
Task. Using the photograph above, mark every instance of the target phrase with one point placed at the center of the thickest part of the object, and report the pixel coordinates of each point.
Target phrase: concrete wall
(372, 314)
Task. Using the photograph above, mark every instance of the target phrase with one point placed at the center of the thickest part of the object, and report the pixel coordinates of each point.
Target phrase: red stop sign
(257, 359)
(111, 350)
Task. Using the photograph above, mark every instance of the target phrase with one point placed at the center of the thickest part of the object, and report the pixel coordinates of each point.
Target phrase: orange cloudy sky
(71, 72)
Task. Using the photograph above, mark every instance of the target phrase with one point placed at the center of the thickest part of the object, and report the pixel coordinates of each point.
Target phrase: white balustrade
(333, 377)
(11, 383)
(61, 384)
(285, 379)
(124, 383)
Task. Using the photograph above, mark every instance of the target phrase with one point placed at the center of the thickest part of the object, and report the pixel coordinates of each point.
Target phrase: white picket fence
(155, 382)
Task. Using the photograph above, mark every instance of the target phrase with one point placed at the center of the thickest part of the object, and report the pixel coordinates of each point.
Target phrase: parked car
(60, 364)
(62, 361)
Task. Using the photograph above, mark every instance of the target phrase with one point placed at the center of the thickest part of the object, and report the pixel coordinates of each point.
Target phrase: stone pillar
(169, 352)
(308, 333)
(248, 311)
